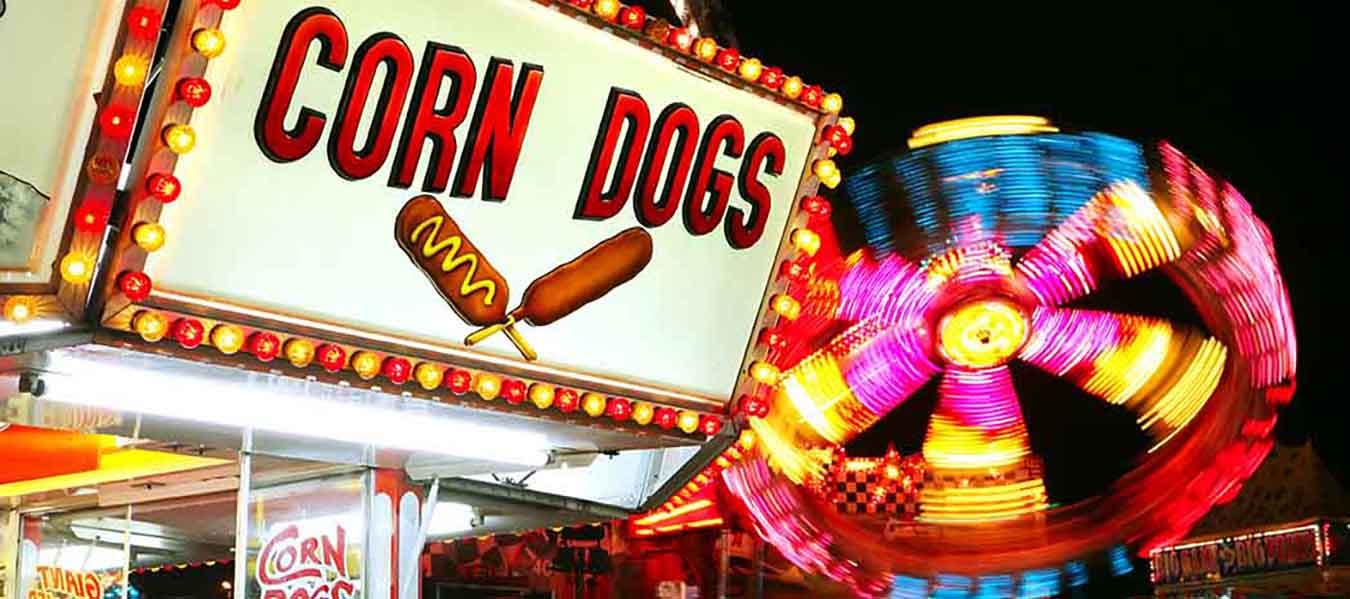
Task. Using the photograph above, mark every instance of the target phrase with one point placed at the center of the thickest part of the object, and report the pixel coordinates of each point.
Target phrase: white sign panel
(623, 211)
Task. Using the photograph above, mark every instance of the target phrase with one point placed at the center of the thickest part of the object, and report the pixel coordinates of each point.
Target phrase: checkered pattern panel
(855, 493)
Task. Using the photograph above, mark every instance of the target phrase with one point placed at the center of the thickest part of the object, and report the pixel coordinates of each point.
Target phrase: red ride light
(794, 271)
(188, 332)
(513, 391)
(680, 39)
(163, 187)
(135, 285)
(194, 91)
(772, 78)
(812, 95)
(710, 425)
(619, 409)
(773, 339)
(264, 346)
(567, 400)
(143, 23)
(728, 59)
(116, 121)
(90, 218)
(396, 369)
(632, 17)
(458, 381)
(816, 205)
(665, 418)
(331, 357)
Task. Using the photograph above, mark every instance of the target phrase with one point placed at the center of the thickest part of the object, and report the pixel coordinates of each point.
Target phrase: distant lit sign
(1248, 554)
(292, 565)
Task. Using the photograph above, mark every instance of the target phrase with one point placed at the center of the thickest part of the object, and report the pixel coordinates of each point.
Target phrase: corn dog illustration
(455, 267)
(567, 288)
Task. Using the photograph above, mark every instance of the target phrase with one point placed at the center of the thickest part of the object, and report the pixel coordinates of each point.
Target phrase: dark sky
(1249, 90)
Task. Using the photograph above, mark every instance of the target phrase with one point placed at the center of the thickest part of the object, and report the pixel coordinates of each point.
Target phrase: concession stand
(309, 283)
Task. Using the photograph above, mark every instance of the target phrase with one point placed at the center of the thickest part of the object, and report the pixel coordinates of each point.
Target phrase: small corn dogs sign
(488, 176)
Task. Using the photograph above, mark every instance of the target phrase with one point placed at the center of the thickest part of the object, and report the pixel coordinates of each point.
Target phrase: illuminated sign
(484, 181)
(1248, 554)
(312, 566)
(57, 583)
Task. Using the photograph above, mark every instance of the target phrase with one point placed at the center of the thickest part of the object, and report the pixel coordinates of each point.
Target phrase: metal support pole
(759, 568)
(724, 564)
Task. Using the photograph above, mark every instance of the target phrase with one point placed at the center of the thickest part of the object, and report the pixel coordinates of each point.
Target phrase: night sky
(1244, 89)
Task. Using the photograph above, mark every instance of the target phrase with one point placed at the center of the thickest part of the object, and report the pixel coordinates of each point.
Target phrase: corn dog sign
(489, 179)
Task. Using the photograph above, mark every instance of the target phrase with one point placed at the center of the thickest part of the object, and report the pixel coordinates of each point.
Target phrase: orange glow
(978, 127)
(1136, 230)
(832, 103)
(148, 236)
(705, 49)
(818, 393)
(129, 70)
(688, 421)
(1175, 408)
(20, 309)
(606, 9)
(150, 325)
(982, 504)
(77, 268)
(299, 352)
(428, 375)
(785, 306)
(692, 506)
(746, 440)
(751, 69)
(643, 412)
(806, 241)
(180, 138)
(227, 338)
(542, 395)
(593, 404)
(982, 334)
(488, 386)
(208, 42)
(792, 87)
(764, 372)
(113, 465)
(366, 364)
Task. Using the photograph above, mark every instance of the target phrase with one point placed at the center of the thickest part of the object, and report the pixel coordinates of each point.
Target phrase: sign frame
(369, 359)
(82, 210)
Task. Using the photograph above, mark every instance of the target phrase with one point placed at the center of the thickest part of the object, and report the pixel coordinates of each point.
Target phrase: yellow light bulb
(129, 70)
(151, 326)
(487, 385)
(764, 372)
(299, 352)
(149, 236)
(832, 103)
(833, 180)
(751, 69)
(786, 306)
(606, 9)
(747, 439)
(705, 49)
(77, 269)
(541, 395)
(208, 42)
(180, 138)
(643, 412)
(428, 375)
(806, 241)
(227, 338)
(688, 422)
(722, 462)
(792, 87)
(20, 309)
(366, 364)
(848, 124)
(825, 169)
(593, 404)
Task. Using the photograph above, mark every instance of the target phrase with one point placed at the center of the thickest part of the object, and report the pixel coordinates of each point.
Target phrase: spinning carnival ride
(977, 239)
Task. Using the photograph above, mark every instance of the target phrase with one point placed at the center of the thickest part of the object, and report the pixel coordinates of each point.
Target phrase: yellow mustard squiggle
(453, 259)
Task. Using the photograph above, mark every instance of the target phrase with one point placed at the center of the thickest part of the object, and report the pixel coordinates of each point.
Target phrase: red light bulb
(458, 381)
(793, 271)
(844, 146)
(773, 339)
(772, 78)
(728, 59)
(665, 418)
(396, 369)
(143, 22)
(816, 205)
(223, 4)
(755, 406)
(567, 400)
(194, 91)
(116, 121)
(188, 332)
(812, 95)
(632, 17)
(264, 346)
(513, 391)
(163, 187)
(710, 425)
(619, 409)
(90, 218)
(680, 39)
(135, 285)
(331, 357)
(833, 134)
